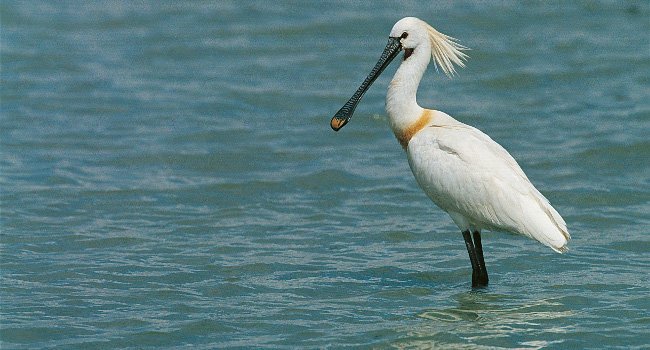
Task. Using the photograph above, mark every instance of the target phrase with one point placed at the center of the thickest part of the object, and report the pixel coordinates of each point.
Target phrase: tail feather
(551, 230)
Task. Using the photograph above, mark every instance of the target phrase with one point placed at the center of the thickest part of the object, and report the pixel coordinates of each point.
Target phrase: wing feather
(466, 173)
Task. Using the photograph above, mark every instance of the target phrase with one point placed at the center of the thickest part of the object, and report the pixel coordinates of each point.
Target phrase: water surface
(169, 178)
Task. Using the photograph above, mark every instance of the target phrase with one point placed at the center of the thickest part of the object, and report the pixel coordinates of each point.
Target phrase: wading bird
(461, 169)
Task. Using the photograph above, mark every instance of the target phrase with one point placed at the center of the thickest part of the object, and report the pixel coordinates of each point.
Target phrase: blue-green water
(169, 178)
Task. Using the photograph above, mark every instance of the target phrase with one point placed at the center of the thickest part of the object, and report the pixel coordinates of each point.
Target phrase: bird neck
(401, 105)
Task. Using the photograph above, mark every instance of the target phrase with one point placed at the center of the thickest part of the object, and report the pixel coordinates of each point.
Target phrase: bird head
(416, 34)
(408, 34)
(411, 33)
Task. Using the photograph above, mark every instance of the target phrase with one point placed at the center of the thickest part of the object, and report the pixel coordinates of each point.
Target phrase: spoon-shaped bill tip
(337, 123)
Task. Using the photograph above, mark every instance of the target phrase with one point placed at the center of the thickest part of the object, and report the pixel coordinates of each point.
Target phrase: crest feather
(446, 51)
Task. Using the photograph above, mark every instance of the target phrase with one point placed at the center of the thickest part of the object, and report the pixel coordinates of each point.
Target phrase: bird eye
(404, 35)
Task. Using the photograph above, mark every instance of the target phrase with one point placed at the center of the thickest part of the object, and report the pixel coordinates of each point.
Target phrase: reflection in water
(492, 320)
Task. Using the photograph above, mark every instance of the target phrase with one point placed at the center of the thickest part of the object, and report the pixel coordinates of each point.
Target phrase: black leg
(476, 269)
(478, 247)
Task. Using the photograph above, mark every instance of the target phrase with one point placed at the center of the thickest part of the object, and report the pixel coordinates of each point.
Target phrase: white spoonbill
(461, 169)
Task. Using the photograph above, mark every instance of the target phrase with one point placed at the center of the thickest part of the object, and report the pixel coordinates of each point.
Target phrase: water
(169, 178)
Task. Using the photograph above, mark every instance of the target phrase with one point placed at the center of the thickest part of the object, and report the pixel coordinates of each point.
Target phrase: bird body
(461, 169)
(476, 181)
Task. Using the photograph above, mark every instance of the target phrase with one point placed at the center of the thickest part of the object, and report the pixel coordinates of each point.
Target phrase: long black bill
(345, 113)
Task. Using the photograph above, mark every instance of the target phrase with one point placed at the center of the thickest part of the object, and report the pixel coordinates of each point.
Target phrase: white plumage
(460, 168)
(479, 184)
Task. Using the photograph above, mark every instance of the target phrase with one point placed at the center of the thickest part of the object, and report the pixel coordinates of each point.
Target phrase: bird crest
(446, 51)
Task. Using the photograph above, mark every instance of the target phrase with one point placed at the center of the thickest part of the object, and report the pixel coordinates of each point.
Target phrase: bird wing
(466, 173)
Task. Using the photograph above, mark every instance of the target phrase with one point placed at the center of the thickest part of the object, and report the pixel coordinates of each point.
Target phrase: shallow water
(169, 178)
